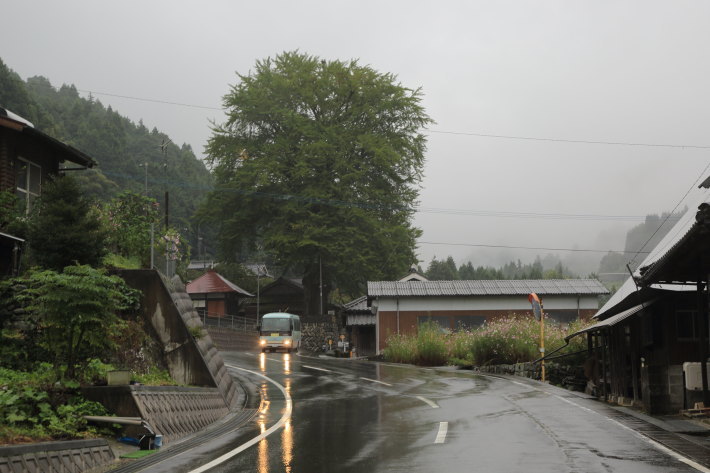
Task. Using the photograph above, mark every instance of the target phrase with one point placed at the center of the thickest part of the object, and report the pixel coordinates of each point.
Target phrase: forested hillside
(119, 145)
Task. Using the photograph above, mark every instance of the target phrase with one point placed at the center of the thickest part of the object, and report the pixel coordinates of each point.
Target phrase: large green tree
(319, 162)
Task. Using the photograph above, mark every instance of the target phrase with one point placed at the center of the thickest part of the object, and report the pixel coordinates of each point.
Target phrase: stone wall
(315, 334)
(571, 377)
(55, 457)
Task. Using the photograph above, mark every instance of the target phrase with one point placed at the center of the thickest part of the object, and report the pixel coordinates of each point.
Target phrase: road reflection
(287, 441)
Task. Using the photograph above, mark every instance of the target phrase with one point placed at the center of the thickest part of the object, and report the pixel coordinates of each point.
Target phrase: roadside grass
(505, 340)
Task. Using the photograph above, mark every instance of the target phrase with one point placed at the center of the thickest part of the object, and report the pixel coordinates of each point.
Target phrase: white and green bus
(280, 330)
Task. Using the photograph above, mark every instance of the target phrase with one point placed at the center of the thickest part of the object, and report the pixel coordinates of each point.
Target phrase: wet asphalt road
(357, 416)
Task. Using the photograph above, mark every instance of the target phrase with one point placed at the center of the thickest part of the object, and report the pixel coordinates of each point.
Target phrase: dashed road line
(314, 368)
(427, 401)
(441, 435)
(376, 381)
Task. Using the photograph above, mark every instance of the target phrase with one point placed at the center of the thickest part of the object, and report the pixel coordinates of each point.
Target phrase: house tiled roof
(485, 287)
(213, 283)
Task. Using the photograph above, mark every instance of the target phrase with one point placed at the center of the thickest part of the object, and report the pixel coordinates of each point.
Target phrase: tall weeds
(506, 340)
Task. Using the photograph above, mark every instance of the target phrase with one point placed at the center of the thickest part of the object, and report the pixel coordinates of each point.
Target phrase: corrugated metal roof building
(399, 306)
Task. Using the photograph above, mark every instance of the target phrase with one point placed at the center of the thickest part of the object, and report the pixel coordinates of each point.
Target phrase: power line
(141, 99)
(443, 132)
(563, 140)
(365, 205)
(480, 245)
(702, 174)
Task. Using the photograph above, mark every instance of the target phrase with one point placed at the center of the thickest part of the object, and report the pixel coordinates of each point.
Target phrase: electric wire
(539, 248)
(444, 132)
(695, 183)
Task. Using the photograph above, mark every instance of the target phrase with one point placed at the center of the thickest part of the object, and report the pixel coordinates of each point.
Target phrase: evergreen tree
(64, 229)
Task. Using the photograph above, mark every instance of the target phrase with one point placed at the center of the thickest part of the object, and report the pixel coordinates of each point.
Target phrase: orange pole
(542, 340)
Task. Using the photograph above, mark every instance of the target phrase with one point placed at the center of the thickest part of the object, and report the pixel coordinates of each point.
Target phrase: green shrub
(154, 377)
(35, 406)
(431, 345)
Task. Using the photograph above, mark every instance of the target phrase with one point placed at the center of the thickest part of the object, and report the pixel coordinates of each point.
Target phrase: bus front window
(276, 325)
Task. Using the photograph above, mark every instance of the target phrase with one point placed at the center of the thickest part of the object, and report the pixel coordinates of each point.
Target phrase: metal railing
(235, 322)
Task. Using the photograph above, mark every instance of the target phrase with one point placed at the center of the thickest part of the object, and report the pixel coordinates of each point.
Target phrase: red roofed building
(216, 296)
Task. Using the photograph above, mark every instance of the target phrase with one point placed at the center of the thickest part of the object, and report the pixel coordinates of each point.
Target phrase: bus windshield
(276, 325)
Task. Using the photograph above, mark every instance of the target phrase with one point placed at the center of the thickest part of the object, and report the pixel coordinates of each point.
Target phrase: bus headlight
(287, 342)
(262, 342)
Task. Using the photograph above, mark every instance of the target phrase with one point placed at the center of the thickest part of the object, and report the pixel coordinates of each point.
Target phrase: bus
(280, 330)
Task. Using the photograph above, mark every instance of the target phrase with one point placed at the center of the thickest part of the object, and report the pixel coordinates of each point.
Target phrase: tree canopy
(319, 161)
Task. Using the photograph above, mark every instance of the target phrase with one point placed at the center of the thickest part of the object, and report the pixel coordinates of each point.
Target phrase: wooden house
(28, 157)
(215, 297)
(654, 330)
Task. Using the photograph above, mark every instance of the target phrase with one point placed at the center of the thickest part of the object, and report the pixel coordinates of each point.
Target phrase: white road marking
(441, 435)
(655, 444)
(376, 381)
(258, 438)
(650, 441)
(319, 369)
(431, 403)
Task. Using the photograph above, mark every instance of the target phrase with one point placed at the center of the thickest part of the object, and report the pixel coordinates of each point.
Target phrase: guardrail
(235, 322)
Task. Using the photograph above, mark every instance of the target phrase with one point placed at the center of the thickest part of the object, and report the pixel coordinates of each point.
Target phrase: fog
(567, 74)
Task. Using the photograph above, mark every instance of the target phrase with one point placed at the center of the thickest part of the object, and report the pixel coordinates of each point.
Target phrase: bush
(35, 406)
(431, 345)
(401, 349)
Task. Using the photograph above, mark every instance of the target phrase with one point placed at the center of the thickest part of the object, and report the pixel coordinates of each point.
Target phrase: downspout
(703, 312)
(398, 316)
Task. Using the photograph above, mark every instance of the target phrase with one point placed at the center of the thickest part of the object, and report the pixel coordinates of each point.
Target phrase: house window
(685, 325)
(28, 182)
(442, 321)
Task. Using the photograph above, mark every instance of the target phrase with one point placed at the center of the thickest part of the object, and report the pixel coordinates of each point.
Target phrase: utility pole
(152, 224)
(164, 149)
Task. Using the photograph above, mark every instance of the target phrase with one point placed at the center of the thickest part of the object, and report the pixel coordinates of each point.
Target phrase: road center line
(258, 438)
(314, 368)
(375, 381)
(441, 435)
(431, 403)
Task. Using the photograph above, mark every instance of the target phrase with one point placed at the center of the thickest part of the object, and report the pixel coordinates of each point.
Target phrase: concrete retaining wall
(55, 457)
(172, 411)
(227, 339)
(190, 354)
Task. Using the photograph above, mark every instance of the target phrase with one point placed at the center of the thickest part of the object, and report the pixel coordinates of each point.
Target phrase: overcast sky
(612, 71)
